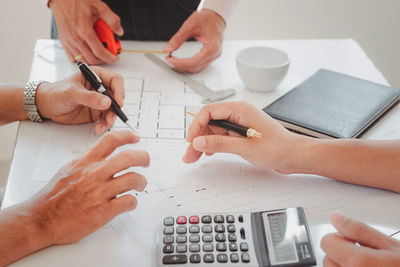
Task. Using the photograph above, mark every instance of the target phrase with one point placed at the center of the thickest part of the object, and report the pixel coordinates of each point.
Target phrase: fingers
(97, 48)
(220, 143)
(198, 62)
(91, 99)
(124, 160)
(108, 143)
(339, 249)
(329, 263)
(184, 33)
(113, 81)
(112, 19)
(122, 204)
(362, 233)
(124, 183)
(237, 112)
(191, 155)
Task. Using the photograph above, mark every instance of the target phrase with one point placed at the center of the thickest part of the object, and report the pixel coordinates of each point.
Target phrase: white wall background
(373, 23)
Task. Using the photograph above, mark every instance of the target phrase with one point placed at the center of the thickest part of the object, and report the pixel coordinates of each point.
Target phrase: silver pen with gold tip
(230, 126)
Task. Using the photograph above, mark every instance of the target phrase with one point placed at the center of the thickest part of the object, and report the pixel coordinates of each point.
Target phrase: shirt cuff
(224, 8)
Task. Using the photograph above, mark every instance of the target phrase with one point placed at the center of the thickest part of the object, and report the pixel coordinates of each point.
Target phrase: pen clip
(92, 72)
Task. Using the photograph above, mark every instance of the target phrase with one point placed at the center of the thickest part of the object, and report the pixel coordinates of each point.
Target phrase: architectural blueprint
(158, 105)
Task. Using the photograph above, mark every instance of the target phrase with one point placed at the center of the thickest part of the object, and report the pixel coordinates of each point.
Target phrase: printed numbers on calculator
(204, 239)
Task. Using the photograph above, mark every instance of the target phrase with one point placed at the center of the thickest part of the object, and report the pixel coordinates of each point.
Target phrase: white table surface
(105, 248)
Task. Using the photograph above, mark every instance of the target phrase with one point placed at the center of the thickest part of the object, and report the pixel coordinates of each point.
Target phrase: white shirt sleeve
(224, 8)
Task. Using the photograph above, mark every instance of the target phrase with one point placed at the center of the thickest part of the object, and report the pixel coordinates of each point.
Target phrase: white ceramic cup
(261, 68)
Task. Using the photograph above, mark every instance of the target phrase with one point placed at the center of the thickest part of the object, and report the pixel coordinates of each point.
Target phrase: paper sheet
(158, 104)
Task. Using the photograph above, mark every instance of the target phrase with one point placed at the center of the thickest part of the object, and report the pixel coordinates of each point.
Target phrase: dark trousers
(156, 20)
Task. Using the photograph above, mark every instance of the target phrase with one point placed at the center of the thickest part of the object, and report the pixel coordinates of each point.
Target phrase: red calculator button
(181, 220)
(194, 219)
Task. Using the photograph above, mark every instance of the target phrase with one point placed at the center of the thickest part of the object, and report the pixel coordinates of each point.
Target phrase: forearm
(20, 234)
(365, 162)
(12, 104)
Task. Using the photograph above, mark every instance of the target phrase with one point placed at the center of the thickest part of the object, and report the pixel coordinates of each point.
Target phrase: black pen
(230, 126)
(97, 84)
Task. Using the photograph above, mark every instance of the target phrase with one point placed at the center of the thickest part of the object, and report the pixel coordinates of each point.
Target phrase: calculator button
(208, 247)
(194, 248)
(220, 247)
(181, 220)
(219, 219)
(195, 258)
(168, 230)
(233, 247)
(244, 246)
(234, 257)
(168, 248)
(169, 239)
(206, 219)
(231, 228)
(169, 221)
(242, 233)
(222, 257)
(219, 228)
(245, 257)
(194, 229)
(181, 239)
(240, 218)
(181, 229)
(206, 228)
(207, 238)
(220, 237)
(230, 219)
(194, 219)
(175, 259)
(181, 248)
(208, 258)
(194, 238)
(232, 237)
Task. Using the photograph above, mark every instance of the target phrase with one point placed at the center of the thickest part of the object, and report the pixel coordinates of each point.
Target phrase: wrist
(37, 230)
(217, 16)
(303, 155)
(21, 233)
(41, 100)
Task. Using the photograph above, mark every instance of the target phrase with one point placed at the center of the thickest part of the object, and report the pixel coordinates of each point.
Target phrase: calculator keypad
(204, 239)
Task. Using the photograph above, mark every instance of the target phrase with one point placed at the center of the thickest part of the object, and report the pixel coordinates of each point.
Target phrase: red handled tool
(112, 41)
(106, 36)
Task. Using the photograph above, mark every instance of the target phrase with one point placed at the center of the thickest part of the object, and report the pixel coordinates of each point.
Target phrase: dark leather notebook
(332, 105)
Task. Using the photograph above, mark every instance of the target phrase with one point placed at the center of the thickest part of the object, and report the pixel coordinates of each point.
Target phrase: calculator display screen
(280, 230)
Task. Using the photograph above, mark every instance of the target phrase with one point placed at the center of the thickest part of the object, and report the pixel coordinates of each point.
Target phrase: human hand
(82, 196)
(272, 151)
(75, 20)
(73, 100)
(205, 26)
(375, 248)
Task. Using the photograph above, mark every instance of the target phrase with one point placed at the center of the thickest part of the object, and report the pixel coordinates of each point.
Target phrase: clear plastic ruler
(208, 94)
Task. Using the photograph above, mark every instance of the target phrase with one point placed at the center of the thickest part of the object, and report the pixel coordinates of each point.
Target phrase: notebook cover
(333, 104)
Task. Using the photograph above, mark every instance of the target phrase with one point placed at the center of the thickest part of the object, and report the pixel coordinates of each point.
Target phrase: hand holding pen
(73, 100)
(98, 85)
(268, 152)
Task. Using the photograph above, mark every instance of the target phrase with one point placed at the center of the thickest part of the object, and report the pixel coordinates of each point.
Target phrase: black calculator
(267, 238)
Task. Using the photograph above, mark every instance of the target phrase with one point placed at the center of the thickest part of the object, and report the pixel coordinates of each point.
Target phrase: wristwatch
(30, 101)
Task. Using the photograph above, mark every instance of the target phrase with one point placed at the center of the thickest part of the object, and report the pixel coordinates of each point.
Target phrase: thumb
(112, 19)
(220, 143)
(362, 233)
(178, 39)
(91, 99)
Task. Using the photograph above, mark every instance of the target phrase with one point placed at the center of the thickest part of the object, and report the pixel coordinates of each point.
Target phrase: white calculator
(267, 238)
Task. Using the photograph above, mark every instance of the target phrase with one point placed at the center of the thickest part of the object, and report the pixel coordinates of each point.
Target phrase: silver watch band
(30, 101)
